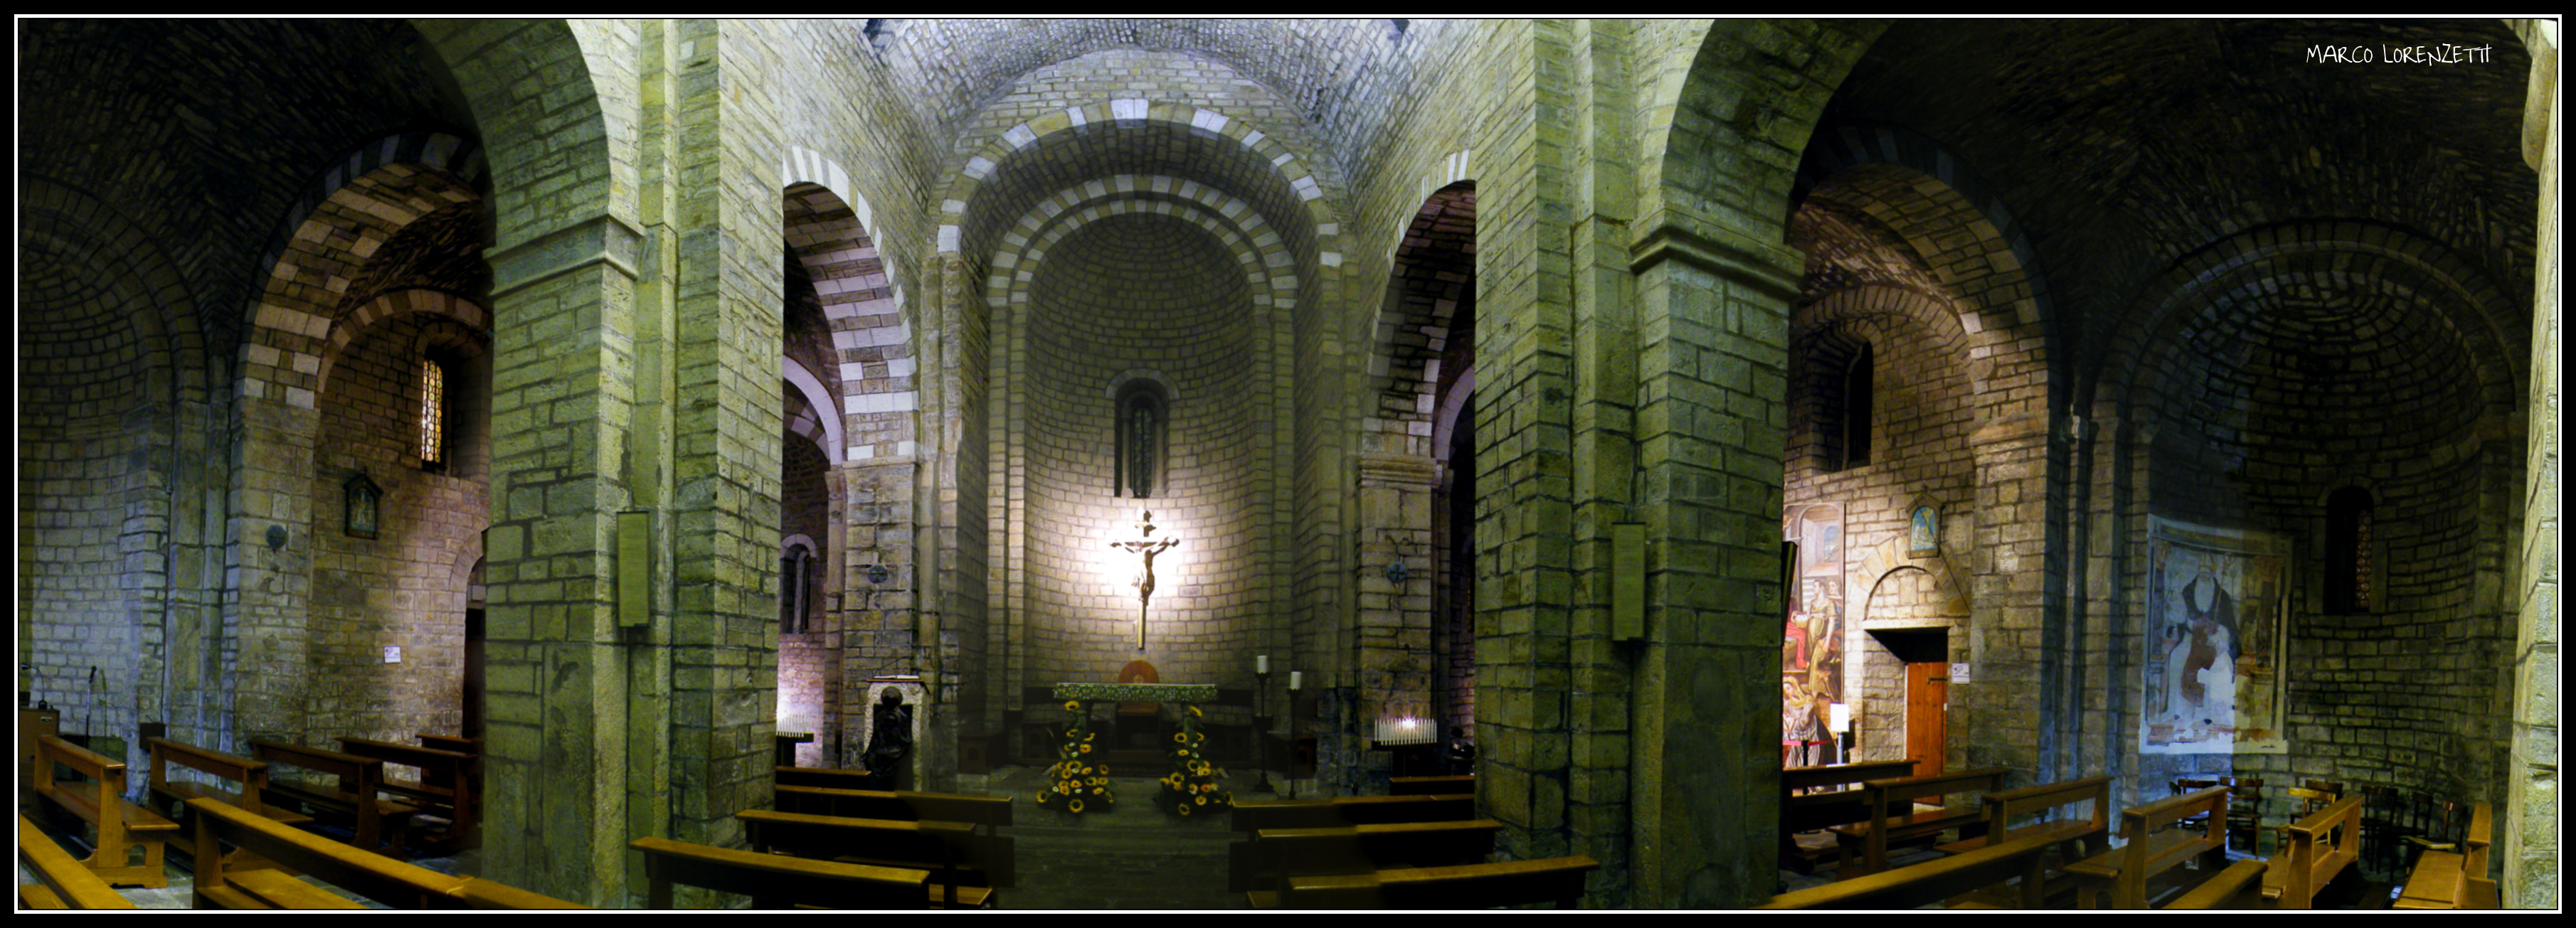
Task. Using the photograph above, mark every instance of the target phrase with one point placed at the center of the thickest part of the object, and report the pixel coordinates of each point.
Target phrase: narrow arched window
(1143, 420)
(2348, 567)
(433, 419)
(1859, 388)
(795, 590)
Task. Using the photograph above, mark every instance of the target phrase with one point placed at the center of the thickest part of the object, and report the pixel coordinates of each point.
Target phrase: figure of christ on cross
(1145, 545)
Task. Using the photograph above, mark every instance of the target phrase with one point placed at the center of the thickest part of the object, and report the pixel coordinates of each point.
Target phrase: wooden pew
(1959, 875)
(61, 882)
(2154, 844)
(2456, 880)
(376, 824)
(1819, 797)
(997, 853)
(2315, 849)
(827, 777)
(946, 849)
(1431, 786)
(1557, 880)
(1258, 865)
(99, 799)
(170, 796)
(1352, 810)
(2077, 837)
(390, 882)
(443, 788)
(775, 881)
(1892, 820)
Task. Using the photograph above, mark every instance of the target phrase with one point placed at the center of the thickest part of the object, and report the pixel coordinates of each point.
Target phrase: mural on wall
(2215, 607)
(1811, 652)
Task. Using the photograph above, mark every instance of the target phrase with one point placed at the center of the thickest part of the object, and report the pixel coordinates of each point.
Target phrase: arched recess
(1200, 159)
(2258, 375)
(116, 478)
(386, 633)
(1889, 216)
(1415, 479)
(851, 351)
(387, 240)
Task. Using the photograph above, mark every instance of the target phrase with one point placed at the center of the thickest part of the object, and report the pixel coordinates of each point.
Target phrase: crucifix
(1145, 545)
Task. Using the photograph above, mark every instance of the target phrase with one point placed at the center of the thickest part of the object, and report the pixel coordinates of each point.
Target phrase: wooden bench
(99, 799)
(1352, 810)
(61, 882)
(1963, 875)
(2154, 842)
(827, 777)
(1822, 796)
(1258, 865)
(2077, 836)
(1556, 880)
(2315, 849)
(376, 824)
(775, 881)
(1892, 821)
(995, 852)
(1431, 786)
(389, 882)
(946, 849)
(170, 795)
(2456, 880)
(443, 788)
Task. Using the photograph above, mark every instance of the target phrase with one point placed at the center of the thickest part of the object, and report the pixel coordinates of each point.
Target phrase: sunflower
(1200, 800)
(1185, 810)
(1180, 738)
(1075, 807)
(1072, 705)
(1090, 736)
(1194, 710)
(1086, 749)
(1199, 736)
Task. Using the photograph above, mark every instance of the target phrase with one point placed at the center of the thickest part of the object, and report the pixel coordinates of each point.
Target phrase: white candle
(1296, 678)
(1261, 663)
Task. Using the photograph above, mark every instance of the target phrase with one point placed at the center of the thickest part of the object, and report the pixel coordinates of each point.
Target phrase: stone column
(2530, 819)
(1394, 611)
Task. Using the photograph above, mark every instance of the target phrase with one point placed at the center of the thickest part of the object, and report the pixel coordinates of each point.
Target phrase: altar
(1081, 772)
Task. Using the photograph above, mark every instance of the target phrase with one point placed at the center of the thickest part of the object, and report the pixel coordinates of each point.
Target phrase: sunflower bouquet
(1076, 783)
(1191, 788)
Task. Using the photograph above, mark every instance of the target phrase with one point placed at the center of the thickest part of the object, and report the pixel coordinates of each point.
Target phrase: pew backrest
(1558, 880)
(1933, 880)
(248, 776)
(1352, 810)
(99, 799)
(1431, 786)
(2152, 845)
(774, 881)
(951, 851)
(352, 788)
(827, 777)
(1803, 808)
(445, 783)
(1257, 865)
(2319, 847)
(1892, 815)
(374, 876)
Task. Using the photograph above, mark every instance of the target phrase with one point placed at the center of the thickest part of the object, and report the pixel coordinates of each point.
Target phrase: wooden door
(1927, 729)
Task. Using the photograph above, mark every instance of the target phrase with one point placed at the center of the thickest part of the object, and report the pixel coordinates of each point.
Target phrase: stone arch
(821, 427)
(1429, 294)
(2269, 368)
(878, 395)
(114, 385)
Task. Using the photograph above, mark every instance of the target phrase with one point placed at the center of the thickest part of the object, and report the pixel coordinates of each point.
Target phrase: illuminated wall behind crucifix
(1128, 302)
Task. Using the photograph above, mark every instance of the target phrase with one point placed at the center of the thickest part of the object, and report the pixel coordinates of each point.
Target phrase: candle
(1261, 663)
(1296, 678)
